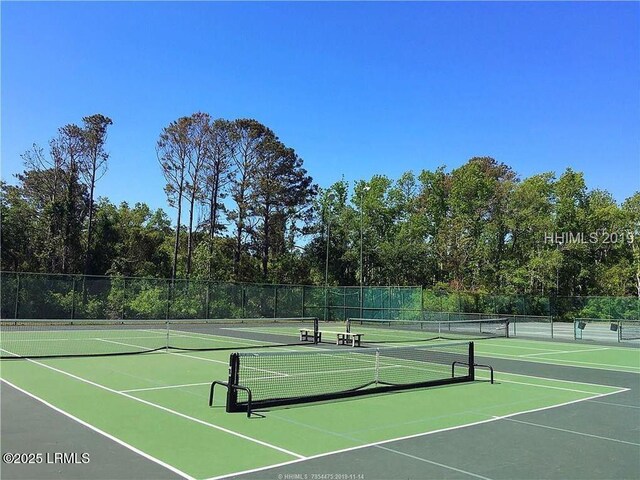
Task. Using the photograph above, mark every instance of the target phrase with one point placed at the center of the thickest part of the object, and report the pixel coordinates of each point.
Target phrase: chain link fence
(47, 296)
(76, 297)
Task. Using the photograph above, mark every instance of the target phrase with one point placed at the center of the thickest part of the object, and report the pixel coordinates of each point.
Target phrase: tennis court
(556, 410)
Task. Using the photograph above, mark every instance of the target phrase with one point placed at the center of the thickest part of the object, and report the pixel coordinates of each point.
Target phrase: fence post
(17, 295)
(326, 305)
(169, 289)
(344, 304)
(275, 301)
(124, 297)
(73, 298)
(206, 315)
(303, 301)
(242, 300)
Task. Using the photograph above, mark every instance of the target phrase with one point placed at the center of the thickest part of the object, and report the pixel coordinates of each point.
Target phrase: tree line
(248, 211)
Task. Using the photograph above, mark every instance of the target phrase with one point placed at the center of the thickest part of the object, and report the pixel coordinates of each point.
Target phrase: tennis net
(629, 329)
(67, 338)
(281, 378)
(606, 329)
(376, 330)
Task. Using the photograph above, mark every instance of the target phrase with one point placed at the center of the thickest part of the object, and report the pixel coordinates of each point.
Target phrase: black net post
(316, 330)
(232, 393)
(472, 370)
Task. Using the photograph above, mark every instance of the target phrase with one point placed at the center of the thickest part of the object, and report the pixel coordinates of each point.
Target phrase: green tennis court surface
(557, 410)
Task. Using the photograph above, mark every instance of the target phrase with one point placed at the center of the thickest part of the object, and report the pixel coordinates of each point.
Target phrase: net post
(619, 332)
(316, 330)
(472, 370)
(166, 347)
(377, 378)
(232, 393)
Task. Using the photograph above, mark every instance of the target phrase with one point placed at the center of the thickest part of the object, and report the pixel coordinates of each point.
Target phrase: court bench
(342, 338)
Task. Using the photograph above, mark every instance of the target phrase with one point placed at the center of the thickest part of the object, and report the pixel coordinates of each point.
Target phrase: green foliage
(476, 236)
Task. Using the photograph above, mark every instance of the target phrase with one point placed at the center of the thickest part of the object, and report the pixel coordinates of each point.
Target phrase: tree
(570, 217)
(199, 138)
(174, 151)
(20, 251)
(51, 185)
(332, 224)
(93, 166)
(631, 212)
(217, 175)
(532, 262)
(281, 196)
(247, 137)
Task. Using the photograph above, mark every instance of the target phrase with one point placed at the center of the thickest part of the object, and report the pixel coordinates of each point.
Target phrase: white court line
(307, 374)
(615, 404)
(217, 338)
(563, 363)
(164, 387)
(574, 432)
(563, 351)
(67, 339)
(101, 432)
(372, 368)
(448, 467)
(168, 410)
(560, 380)
(417, 435)
(185, 355)
(225, 338)
(507, 344)
(544, 386)
(281, 374)
(127, 344)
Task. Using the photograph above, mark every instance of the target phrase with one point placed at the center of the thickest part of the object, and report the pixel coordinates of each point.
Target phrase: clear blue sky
(356, 88)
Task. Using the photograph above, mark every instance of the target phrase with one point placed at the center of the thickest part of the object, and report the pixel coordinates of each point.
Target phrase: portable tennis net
(265, 379)
(377, 330)
(67, 338)
(606, 329)
(629, 329)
